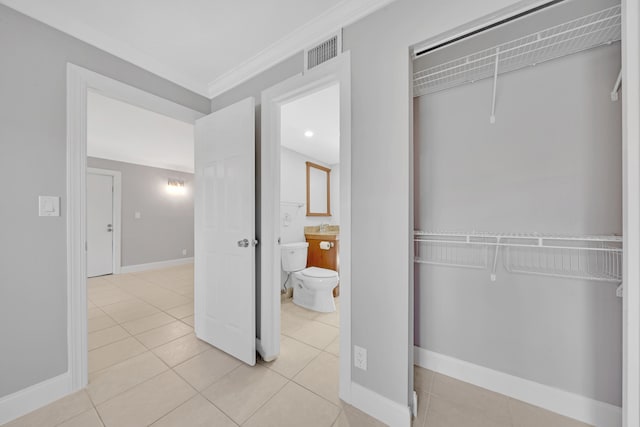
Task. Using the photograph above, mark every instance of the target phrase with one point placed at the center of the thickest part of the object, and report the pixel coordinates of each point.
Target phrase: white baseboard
(155, 265)
(562, 402)
(389, 412)
(36, 396)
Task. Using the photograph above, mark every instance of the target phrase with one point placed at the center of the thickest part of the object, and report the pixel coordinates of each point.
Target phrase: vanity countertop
(330, 232)
(322, 236)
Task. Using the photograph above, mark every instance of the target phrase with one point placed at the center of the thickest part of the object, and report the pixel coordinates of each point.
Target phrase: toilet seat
(320, 273)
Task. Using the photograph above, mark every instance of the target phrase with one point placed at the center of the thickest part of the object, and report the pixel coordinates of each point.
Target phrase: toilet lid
(319, 272)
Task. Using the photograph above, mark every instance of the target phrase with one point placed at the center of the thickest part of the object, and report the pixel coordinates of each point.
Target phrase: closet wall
(551, 164)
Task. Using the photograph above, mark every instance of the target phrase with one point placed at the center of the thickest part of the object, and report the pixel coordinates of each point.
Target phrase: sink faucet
(324, 227)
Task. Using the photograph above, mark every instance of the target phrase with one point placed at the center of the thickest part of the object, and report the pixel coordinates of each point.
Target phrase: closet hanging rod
(426, 50)
(539, 40)
(567, 256)
(527, 236)
(520, 245)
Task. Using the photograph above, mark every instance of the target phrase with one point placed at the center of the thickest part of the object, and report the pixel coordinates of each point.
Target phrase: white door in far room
(225, 250)
(99, 225)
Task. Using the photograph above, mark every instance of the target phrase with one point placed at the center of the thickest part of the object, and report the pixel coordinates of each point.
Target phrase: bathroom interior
(309, 204)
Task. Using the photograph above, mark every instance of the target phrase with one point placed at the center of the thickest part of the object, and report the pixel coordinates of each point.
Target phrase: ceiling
(207, 46)
(126, 133)
(320, 114)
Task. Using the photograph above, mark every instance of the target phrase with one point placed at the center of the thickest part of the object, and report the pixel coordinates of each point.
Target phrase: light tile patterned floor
(146, 367)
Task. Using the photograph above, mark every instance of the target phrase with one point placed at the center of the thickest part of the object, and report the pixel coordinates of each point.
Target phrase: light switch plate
(137, 215)
(49, 206)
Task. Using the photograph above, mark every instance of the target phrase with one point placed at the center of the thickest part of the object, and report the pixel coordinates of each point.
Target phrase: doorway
(310, 236)
(335, 73)
(432, 246)
(80, 83)
(103, 221)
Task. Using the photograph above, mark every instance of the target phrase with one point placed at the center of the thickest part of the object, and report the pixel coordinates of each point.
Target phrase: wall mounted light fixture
(175, 186)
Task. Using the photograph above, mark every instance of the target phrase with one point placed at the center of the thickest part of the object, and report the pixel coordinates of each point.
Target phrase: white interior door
(225, 230)
(99, 225)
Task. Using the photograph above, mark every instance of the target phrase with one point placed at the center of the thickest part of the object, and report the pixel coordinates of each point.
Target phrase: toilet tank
(294, 256)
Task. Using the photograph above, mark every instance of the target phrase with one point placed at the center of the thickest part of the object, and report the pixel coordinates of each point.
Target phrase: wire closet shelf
(575, 257)
(584, 33)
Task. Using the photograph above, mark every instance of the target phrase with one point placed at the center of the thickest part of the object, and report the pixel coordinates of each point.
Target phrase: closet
(518, 198)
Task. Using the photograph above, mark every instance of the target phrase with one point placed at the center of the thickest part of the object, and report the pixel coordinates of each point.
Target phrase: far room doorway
(139, 234)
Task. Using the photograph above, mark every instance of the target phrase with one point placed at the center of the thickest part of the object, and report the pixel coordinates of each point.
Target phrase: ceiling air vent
(322, 52)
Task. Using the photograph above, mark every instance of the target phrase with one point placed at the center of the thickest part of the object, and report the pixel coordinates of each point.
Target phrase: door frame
(338, 70)
(116, 213)
(631, 213)
(79, 82)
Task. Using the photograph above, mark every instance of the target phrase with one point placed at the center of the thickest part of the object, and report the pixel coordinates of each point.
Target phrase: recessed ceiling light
(308, 134)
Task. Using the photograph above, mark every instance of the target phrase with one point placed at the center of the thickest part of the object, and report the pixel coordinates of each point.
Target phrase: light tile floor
(146, 367)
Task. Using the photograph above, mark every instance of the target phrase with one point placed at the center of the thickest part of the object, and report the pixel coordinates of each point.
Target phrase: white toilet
(313, 286)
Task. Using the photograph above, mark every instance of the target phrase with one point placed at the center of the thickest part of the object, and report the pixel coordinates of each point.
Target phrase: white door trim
(338, 71)
(79, 82)
(117, 213)
(631, 213)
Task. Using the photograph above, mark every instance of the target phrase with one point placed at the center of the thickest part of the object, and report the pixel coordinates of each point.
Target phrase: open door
(224, 281)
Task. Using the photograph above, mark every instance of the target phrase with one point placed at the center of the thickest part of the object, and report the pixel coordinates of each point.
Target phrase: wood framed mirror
(318, 190)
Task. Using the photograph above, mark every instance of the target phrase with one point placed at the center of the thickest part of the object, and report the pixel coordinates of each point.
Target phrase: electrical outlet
(184, 252)
(360, 357)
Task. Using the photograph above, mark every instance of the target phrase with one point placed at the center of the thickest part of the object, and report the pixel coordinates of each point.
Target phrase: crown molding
(51, 16)
(339, 16)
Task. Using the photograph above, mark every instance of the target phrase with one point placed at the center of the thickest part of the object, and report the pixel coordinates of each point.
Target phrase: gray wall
(382, 176)
(165, 226)
(33, 298)
(382, 180)
(552, 163)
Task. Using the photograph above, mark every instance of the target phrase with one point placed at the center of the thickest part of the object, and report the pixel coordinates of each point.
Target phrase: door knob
(109, 228)
(244, 243)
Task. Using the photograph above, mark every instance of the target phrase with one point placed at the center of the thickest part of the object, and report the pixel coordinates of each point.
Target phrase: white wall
(552, 163)
(293, 188)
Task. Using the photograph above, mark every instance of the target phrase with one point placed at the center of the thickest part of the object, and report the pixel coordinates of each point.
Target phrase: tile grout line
(287, 380)
(197, 392)
(129, 388)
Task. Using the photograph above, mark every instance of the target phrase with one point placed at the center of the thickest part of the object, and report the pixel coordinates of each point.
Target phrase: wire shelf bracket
(616, 87)
(492, 118)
